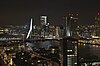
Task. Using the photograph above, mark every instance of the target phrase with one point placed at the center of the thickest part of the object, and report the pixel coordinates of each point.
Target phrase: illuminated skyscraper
(45, 26)
(68, 25)
(97, 24)
(69, 57)
(43, 20)
(71, 24)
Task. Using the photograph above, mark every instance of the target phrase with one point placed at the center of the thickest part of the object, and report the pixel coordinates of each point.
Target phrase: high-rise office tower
(67, 26)
(69, 57)
(97, 24)
(43, 20)
(45, 26)
(71, 24)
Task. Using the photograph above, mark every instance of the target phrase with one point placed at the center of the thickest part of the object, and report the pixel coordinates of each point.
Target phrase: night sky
(18, 12)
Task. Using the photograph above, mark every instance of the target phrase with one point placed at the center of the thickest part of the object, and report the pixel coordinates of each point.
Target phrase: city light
(51, 45)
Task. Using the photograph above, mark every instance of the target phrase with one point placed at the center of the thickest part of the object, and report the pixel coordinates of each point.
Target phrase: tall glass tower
(97, 24)
(71, 24)
(45, 26)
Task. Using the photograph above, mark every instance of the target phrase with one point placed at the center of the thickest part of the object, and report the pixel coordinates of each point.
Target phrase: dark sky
(18, 12)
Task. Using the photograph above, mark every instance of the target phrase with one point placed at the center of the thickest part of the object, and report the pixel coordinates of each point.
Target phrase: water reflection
(43, 44)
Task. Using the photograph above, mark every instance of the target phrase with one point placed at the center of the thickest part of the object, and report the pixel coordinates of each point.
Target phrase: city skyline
(19, 12)
(49, 33)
